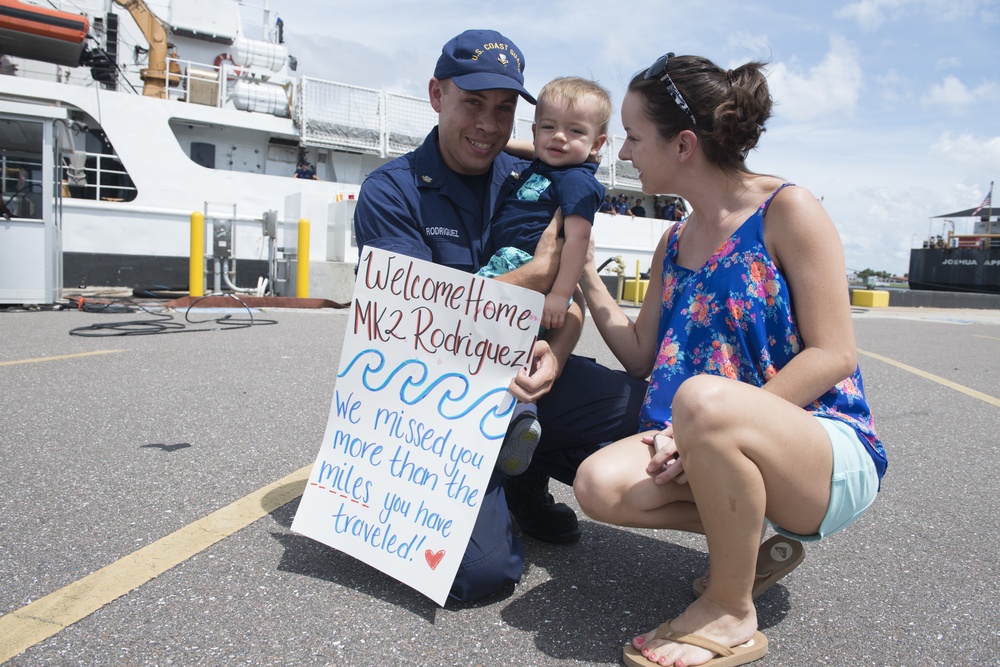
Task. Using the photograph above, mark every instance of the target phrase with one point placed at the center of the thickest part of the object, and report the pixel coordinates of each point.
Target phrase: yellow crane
(154, 77)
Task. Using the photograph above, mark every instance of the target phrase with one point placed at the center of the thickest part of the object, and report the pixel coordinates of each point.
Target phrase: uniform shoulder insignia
(426, 179)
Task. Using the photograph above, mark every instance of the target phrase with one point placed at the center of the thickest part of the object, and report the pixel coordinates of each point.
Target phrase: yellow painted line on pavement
(982, 336)
(36, 622)
(992, 400)
(60, 357)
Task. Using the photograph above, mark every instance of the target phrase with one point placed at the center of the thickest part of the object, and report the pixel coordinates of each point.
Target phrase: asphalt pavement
(113, 444)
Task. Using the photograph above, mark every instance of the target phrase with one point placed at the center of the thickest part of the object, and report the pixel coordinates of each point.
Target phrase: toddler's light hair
(574, 88)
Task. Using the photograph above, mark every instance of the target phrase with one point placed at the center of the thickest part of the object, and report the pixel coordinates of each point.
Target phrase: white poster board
(419, 412)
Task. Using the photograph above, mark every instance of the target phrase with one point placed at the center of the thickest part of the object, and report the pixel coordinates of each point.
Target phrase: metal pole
(638, 276)
(989, 216)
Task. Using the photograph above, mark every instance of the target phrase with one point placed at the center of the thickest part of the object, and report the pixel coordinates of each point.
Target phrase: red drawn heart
(433, 558)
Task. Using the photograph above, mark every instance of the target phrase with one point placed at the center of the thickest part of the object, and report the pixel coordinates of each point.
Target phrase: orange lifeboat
(40, 33)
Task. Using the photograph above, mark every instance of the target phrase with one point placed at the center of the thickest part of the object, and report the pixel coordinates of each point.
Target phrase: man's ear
(435, 91)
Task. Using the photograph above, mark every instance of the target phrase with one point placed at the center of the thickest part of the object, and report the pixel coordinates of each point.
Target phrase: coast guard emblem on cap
(482, 60)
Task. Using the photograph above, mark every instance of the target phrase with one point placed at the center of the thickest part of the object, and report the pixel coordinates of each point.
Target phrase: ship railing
(623, 174)
(38, 70)
(195, 82)
(407, 122)
(96, 176)
(225, 83)
(340, 116)
(963, 241)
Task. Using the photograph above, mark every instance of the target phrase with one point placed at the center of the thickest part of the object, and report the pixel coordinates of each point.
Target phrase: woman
(755, 407)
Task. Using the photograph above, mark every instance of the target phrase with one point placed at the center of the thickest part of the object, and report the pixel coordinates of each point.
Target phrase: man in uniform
(436, 203)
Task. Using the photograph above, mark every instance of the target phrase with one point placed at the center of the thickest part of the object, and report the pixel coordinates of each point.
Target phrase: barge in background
(952, 262)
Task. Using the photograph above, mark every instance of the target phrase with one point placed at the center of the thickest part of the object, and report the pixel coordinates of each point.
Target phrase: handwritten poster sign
(419, 412)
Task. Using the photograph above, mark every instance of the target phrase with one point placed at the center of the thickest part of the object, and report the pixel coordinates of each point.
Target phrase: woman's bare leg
(746, 453)
(612, 486)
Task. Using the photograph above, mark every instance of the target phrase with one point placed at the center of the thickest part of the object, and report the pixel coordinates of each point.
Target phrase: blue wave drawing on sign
(417, 386)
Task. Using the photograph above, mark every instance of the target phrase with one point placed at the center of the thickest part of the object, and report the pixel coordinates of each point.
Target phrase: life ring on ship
(225, 57)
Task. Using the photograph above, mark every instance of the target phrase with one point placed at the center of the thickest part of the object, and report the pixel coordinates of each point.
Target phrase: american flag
(987, 203)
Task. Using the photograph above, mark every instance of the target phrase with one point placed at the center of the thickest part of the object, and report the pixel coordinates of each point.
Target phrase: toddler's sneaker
(519, 444)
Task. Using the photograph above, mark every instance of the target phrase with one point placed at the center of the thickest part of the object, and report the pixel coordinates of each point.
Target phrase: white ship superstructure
(118, 120)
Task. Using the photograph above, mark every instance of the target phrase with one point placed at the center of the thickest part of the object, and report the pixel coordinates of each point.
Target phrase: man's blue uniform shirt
(417, 206)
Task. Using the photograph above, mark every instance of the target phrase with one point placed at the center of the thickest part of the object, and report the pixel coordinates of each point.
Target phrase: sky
(887, 110)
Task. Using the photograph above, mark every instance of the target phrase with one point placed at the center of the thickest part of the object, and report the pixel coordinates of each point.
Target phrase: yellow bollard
(638, 276)
(865, 298)
(196, 265)
(302, 264)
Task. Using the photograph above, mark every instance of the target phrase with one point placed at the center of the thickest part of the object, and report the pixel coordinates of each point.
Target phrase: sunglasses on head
(658, 70)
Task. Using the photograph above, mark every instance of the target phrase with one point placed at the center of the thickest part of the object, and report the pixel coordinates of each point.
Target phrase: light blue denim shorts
(854, 484)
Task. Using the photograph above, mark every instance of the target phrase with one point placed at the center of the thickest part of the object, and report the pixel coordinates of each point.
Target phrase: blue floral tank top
(733, 317)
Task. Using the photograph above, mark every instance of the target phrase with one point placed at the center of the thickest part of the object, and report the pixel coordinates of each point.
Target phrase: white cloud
(893, 86)
(950, 93)
(955, 96)
(947, 63)
(883, 185)
(870, 14)
(979, 153)
(961, 10)
(829, 89)
(750, 45)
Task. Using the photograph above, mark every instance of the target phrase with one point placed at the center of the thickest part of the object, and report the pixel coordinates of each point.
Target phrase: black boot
(536, 511)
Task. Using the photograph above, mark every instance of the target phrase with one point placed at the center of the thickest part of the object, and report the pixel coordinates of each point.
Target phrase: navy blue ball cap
(483, 60)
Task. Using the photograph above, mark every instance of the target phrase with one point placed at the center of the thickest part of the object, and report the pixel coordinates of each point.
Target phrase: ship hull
(955, 269)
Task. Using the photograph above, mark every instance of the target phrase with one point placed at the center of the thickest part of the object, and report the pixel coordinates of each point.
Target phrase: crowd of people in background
(671, 208)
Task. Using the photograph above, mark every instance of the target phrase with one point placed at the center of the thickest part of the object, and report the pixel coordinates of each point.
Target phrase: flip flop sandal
(726, 656)
(776, 557)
